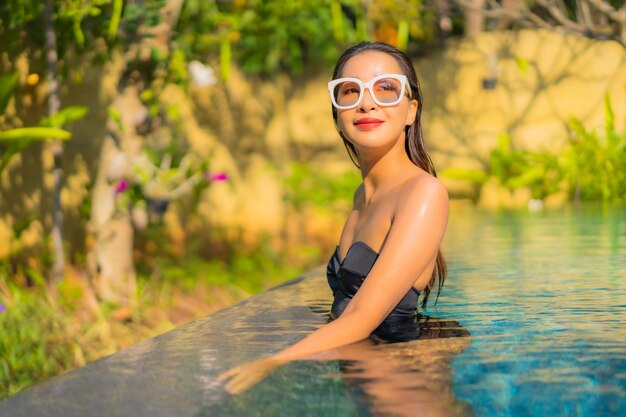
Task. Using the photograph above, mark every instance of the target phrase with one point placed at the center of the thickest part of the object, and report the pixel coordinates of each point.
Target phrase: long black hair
(414, 138)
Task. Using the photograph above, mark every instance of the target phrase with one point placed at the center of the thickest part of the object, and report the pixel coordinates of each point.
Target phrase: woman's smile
(368, 123)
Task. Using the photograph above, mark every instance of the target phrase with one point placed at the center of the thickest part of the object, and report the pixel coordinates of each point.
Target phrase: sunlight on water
(542, 294)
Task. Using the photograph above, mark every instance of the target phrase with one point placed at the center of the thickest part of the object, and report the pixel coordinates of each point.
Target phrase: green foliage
(248, 271)
(8, 83)
(474, 176)
(594, 164)
(116, 16)
(399, 21)
(513, 169)
(15, 14)
(76, 11)
(305, 186)
(29, 134)
(269, 35)
(136, 15)
(64, 116)
(18, 139)
(77, 23)
(33, 338)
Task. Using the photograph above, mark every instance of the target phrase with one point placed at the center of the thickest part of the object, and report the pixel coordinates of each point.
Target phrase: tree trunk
(474, 18)
(111, 257)
(58, 267)
(112, 253)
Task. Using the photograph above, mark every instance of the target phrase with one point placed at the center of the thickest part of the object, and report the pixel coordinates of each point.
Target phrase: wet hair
(414, 138)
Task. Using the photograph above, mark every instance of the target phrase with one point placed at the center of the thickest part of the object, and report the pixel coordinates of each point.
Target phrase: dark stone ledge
(174, 374)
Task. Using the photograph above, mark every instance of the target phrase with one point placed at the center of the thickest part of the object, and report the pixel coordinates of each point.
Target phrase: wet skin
(399, 210)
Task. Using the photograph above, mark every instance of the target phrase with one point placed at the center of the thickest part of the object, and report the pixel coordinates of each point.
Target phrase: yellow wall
(254, 127)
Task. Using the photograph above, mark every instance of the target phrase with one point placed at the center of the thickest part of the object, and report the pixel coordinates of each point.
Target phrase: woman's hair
(414, 139)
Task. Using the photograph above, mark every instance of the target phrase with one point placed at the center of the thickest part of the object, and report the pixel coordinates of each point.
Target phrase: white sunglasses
(386, 90)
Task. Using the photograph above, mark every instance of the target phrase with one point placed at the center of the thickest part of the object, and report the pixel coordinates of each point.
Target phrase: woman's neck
(381, 172)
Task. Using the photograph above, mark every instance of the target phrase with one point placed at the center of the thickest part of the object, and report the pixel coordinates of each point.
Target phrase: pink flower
(216, 176)
(2, 308)
(121, 186)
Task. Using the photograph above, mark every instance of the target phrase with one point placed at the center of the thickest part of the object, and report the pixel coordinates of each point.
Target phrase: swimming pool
(542, 294)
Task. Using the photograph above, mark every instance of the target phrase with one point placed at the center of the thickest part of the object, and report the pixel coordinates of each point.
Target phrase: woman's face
(370, 125)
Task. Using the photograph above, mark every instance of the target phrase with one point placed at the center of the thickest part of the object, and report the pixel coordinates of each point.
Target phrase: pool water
(543, 296)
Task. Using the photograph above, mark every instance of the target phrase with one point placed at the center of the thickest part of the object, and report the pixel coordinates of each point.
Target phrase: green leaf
(34, 133)
(22, 224)
(116, 16)
(609, 120)
(523, 65)
(79, 35)
(577, 126)
(337, 20)
(527, 178)
(146, 95)
(36, 277)
(65, 116)
(472, 175)
(609, 115)
(403, 35)
(115, 115)
(225, 58)
(7, 85)
(504, 143)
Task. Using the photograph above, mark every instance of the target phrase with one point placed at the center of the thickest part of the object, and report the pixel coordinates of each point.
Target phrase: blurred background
(160, 160)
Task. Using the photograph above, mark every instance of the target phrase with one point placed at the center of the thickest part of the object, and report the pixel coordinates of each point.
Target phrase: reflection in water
(405, 377)
(403, 369)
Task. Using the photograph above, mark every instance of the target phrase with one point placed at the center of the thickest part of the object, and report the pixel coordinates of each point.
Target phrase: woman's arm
(417, 228)
(412, 244)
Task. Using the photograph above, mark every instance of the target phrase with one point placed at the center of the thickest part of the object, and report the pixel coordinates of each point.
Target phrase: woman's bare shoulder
(423, 186)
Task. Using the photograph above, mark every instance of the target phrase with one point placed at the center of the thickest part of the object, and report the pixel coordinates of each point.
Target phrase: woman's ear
(412, 112)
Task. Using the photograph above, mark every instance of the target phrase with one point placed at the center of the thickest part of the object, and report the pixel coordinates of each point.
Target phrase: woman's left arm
(416, 232)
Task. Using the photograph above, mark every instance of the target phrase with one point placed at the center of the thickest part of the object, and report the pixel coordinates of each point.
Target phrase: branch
(557, 19)
(618, 16)
(557, 14)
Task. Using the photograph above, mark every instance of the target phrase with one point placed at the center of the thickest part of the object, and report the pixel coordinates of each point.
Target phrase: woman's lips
(368, 123)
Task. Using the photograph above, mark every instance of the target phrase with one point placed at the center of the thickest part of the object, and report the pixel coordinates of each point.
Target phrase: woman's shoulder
(422, 186)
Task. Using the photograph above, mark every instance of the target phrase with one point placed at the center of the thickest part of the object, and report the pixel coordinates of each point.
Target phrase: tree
(54, 104)
(111, 258)
(15, 16)
(595, 19)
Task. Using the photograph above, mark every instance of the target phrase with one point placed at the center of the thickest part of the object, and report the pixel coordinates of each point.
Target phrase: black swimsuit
(403, 323)
(346, 277)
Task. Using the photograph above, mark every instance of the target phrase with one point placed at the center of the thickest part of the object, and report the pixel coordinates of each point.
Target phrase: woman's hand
(242, 377)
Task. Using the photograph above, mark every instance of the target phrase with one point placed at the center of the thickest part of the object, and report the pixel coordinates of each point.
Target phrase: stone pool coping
(175, 373)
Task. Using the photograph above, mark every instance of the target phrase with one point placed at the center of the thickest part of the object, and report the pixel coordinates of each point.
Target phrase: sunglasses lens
(388, 90)
(347, 93)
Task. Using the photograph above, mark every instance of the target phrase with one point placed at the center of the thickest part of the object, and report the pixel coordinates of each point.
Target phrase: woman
(389, 247)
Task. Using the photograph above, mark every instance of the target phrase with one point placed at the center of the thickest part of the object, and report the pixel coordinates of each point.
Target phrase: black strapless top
(345, 278)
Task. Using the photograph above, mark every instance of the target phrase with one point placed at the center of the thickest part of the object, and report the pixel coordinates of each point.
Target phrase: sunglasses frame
(404, 83)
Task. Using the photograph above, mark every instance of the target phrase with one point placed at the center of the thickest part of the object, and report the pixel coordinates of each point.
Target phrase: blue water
(544, 296)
